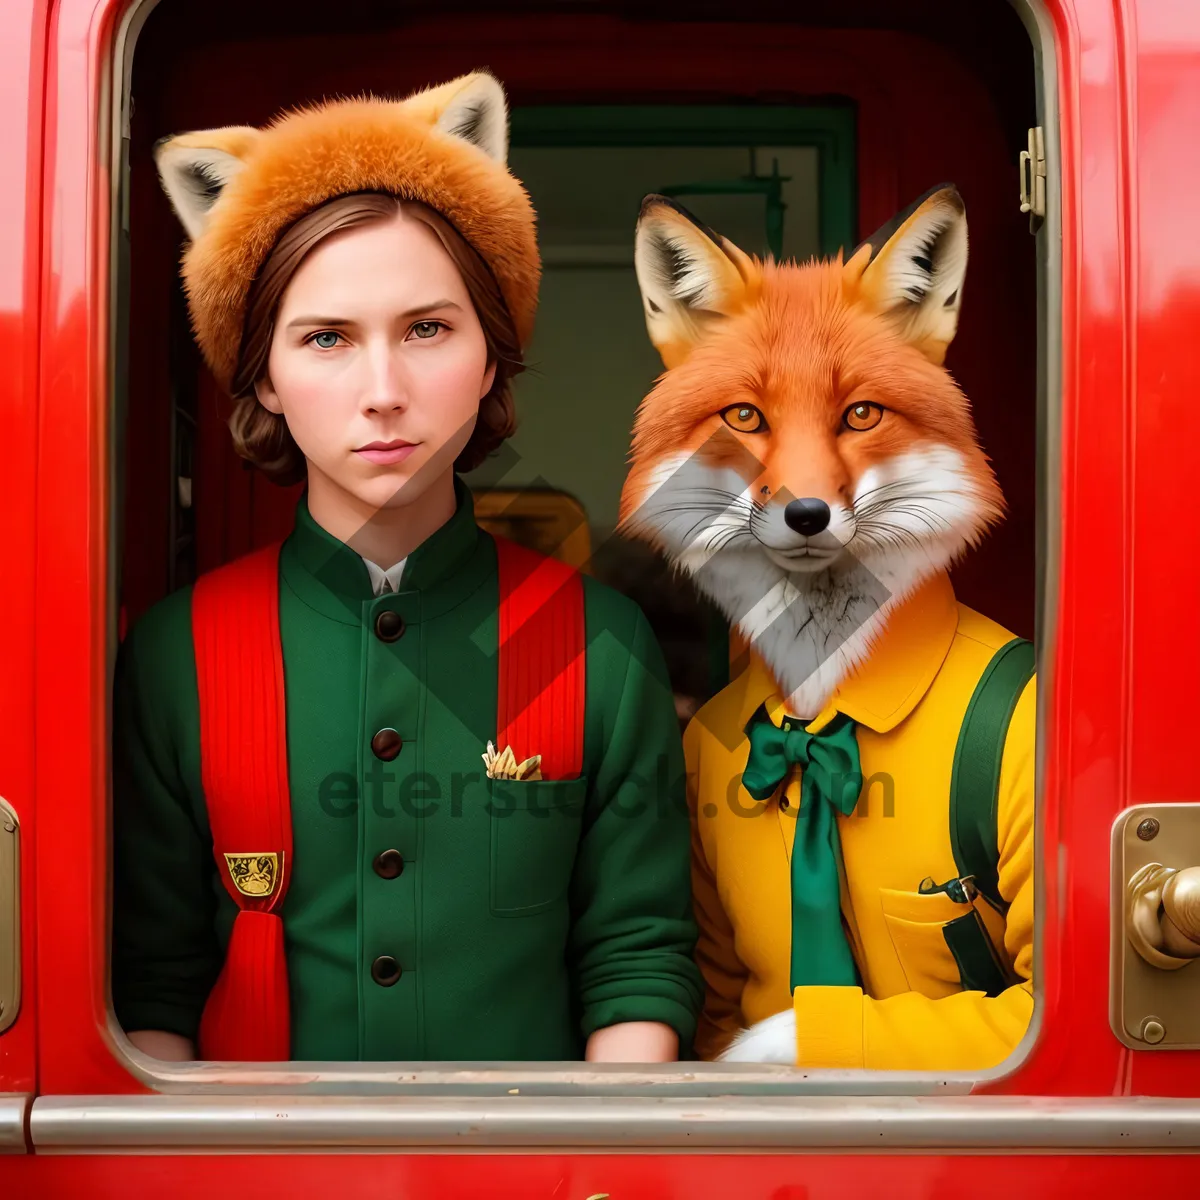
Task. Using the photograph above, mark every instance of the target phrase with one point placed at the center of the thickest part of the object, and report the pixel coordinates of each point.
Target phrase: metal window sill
(200, 1123)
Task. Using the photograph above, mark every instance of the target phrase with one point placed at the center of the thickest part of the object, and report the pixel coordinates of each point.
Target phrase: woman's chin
(395, 486)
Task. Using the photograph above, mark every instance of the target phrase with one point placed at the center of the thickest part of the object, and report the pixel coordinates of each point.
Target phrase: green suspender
(974, 811)
(975, 778)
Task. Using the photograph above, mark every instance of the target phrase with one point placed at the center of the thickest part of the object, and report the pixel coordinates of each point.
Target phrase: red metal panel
(624, 1177)
(73, 618)
(1122, 665)
(1125, 660)
(22, 59)
(1161, 371)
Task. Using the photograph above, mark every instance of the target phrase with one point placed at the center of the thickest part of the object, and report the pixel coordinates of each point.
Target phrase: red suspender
(540, 698)
(243, 752)
(243, 755)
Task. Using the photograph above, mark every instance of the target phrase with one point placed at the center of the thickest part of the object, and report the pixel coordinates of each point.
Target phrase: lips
(386, 453)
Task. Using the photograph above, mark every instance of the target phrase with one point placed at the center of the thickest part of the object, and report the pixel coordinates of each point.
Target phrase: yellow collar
(886, 687)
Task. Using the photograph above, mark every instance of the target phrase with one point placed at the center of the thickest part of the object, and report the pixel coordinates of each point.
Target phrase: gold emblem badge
(503, 764)
(253, 874)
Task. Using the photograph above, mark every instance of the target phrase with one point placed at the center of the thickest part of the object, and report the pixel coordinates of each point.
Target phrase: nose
(808, 516)
(386, 387)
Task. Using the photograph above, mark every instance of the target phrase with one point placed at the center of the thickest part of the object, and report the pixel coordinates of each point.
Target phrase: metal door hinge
(1033, 176)
(10, 915)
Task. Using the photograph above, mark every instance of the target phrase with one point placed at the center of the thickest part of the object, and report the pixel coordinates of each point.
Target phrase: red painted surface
(1119, 681)
(68, 729)
(22, 55)
(625, 1177)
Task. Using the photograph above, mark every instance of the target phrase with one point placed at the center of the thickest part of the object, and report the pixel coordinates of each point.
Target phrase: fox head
(806, 457)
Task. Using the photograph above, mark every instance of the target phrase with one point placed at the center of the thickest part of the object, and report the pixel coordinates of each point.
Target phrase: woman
(311, 860)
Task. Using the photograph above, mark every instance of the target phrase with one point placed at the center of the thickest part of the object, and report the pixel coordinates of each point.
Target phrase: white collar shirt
(385, 581)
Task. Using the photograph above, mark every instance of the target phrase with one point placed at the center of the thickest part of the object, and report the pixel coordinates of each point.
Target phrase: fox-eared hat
(236, 189)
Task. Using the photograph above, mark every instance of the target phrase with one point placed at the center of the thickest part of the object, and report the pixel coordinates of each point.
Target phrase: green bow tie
(831, 780)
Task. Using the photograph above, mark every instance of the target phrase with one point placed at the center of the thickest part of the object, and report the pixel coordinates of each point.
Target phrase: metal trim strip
(197, 1124)
(12, 1123)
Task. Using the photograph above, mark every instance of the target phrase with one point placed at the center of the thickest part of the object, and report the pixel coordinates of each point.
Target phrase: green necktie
(830, 782)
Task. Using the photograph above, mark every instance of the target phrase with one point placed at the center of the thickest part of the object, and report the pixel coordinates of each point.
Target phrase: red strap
(541, 687)
(243, 754)
(247, 1017)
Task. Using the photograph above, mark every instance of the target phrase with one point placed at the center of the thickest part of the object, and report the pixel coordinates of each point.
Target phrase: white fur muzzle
(813, 606)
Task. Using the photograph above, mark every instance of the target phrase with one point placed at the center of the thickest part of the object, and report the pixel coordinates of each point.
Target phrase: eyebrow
(419, 311)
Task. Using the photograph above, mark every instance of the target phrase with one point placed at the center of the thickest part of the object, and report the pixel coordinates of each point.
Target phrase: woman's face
(378, 362)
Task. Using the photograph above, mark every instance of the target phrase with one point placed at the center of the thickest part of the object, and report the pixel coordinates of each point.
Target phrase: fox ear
(195, 169)
(472, 107)
(689, 276)
(916, 268)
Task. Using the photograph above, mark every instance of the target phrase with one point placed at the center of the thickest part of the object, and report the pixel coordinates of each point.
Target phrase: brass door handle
(1162, 915)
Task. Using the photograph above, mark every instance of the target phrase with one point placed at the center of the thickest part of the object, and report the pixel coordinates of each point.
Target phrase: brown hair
(262, 437)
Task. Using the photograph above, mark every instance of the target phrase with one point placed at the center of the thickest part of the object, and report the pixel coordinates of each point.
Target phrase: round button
(385, 970)
(389, 626)
(388, 864)
(386, 744)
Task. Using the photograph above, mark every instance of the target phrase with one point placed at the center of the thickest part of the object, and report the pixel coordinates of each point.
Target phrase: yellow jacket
(908, 700)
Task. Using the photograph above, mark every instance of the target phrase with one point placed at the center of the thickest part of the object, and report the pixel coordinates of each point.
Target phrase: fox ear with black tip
(472, 107)
(195, 169)
(689, 275)
(912, 270)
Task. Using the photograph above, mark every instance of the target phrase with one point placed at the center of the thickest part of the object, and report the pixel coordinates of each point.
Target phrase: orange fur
(307, 157)
(806, 345)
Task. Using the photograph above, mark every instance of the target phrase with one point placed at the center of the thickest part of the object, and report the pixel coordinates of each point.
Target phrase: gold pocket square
(504, 765)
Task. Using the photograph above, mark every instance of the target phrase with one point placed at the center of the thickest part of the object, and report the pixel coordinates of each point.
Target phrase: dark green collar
(331, 577)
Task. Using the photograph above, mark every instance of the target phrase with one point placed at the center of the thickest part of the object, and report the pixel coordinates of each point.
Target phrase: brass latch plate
(1151, 1008)
(1033, 176)
(10, 915)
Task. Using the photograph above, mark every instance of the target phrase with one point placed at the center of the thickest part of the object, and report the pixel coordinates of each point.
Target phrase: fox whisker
(900, 485)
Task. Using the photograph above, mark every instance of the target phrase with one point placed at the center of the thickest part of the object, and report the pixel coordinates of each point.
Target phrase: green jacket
(525, 915)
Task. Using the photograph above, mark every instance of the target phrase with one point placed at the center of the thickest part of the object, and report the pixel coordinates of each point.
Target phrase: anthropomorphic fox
(863, 792)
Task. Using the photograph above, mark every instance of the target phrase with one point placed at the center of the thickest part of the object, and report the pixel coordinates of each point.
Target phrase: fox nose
(807, 516)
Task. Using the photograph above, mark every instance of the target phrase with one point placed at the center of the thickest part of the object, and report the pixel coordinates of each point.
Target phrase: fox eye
(861, 417)
(745, 418)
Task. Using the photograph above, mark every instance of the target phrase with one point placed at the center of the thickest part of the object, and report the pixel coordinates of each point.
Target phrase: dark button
(389, 626)
(388, 864)
(385, 970)
(386, 744)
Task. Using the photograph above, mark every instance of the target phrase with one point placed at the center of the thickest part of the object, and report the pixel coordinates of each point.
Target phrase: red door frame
(1119, 664)
(22, 60)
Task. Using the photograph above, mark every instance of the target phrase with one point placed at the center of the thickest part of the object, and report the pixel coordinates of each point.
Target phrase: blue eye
(426, 329)
(326, 339)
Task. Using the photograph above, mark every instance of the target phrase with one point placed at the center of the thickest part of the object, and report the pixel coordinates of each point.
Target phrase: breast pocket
(536, 826)
(943, 946)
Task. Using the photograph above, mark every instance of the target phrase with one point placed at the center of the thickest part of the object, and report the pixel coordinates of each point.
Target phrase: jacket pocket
(915, 924)
(535, 832)
(943, 946)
